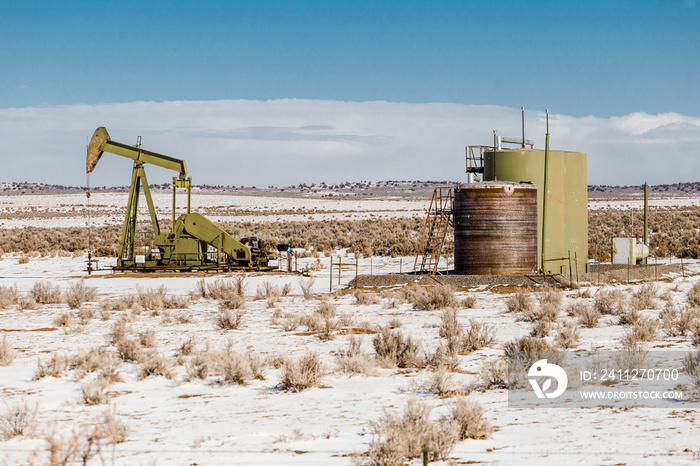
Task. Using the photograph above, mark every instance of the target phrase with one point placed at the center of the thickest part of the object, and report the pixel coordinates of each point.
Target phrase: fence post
(340, 268)
(357, 261)
(331, 284)
(425, 452)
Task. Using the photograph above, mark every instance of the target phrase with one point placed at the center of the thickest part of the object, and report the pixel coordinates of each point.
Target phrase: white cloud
(279, 142)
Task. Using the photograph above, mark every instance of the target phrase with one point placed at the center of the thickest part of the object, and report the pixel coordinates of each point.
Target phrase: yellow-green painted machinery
(563, 215)
(194, 243)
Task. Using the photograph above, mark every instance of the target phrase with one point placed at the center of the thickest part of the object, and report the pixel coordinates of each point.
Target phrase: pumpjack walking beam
(100, 143)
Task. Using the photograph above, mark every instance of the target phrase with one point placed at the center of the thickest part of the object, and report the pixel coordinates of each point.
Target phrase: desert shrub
(435, 298)
(645, 297)
(541, 329)
(234, 367)
(400, 437)
(352, 360)
(526, 351)
(629, 317)
(129, 349)
(365, 299)
(7, 353)
(286, 289)
(95, 392)
(644, 330)
(148, 339)
(328, 326)
(450, 327)
(228, 320)
(79, 293)
(93, 360)
(122, 303)
(9, 295)
(267, 290)
(588, 315)
(469, 302)
(23, 259)
(300, 374)
(54, 367)
(326, 309)
(445, 357)
(188, 347)
(520, 302)
(610, 301)
(173, 301)
(222, 289)
(441, 383)
(153, 364)
(568, 335)
(18, 419)
(395, 350)
(691, 364)
(307, 287)
(64, 319)
(393, 323)
(547, 311)
(111, 428)
(469, 416)
(478, 335)
(44, 292)
(693, 295)
(199, 366)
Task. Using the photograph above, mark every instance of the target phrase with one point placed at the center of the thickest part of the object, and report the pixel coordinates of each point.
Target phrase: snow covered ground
(184, 420)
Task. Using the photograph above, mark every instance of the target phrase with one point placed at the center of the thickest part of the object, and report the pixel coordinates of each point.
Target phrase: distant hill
(358, 189)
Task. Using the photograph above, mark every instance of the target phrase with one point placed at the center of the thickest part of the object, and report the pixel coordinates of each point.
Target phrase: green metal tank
(566, 204)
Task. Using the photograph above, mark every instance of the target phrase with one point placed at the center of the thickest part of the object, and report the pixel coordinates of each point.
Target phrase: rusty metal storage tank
(495, 228)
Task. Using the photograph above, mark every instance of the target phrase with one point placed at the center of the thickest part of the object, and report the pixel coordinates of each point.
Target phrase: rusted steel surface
(495, 228)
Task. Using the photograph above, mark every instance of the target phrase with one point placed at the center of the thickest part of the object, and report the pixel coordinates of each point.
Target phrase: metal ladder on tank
(437, 223)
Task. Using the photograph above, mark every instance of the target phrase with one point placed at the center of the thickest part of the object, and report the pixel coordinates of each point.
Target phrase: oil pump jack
(194, 242)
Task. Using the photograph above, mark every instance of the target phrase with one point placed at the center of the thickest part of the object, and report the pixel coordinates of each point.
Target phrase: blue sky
(604, 59)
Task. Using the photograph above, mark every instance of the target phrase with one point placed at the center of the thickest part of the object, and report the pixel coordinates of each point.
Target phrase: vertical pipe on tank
(522, 117)
(646, 217)
(544, 193)
(495, 144)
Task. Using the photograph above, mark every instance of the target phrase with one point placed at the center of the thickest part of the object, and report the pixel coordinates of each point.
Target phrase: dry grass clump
(228, 320)
(645, 297)
(520, 302)
(588, 315)
(221, 289)
(95, 392)
(79, 293)
(643, 330)
(93, 360)
(64, 319)
(17, 419)
(300, 374)
(478, 335)
(326, 310)
(525, 351)
(400, 437)
(693, 295)
(568, 336)
(307, 287)
(352, 360)
(365, 299)
(111, 428)
(122, 303)
(266, 291)
(54, 367)
(7, 353)
(610, 301)
(395, 350)
(547, 311)
(199, 367)
(691, 364)
(9, 295)
(239, 368)
(450, 326)
(469, 302)
(469, 416)
(153, 364)
(432, 299)
(129, 349)
(44, 292)
(494, 374)
(680, 323)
